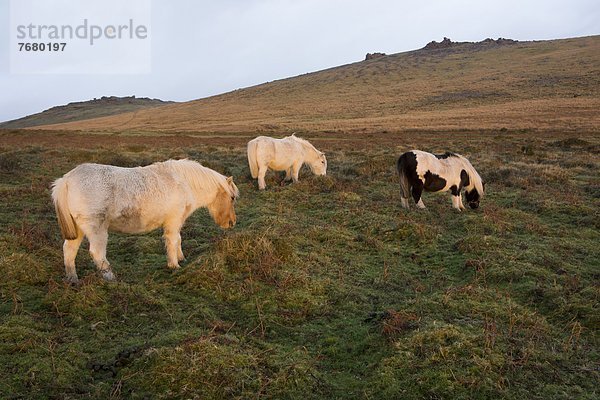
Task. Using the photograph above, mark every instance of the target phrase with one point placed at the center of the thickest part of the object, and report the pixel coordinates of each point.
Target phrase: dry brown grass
(530, 85)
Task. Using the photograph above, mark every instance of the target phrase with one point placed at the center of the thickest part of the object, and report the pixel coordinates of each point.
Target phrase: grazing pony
(287, 154)
(419, 170)
(92, 199)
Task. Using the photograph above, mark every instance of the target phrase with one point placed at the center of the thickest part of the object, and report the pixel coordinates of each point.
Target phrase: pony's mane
(304, 142)
(474, 177)
(199, 176)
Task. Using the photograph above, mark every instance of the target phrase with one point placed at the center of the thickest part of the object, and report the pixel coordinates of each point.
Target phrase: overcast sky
(201, 48)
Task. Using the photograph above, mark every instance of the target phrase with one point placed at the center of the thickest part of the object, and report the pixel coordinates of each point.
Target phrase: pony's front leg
(295, 168)
(456, 198)
(288, 176)
(460, 203)
(173, 245)
(70, 248)
(180, 256)
(457, 203)
(98, 240)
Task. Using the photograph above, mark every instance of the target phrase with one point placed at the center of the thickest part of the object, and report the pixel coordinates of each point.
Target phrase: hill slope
(82, 110)
(547, 85)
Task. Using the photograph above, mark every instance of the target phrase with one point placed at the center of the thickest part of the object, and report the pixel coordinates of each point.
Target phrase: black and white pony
(420, 171)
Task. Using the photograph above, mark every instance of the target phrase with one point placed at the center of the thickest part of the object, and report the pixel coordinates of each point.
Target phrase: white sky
(201, 48)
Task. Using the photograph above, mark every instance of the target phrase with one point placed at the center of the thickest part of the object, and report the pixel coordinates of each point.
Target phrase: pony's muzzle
(474, 205)
(228, 224)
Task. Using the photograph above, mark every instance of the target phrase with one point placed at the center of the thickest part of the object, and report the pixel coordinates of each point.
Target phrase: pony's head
(315, 159)
(318, 166)
(222, 209)
(473, 195)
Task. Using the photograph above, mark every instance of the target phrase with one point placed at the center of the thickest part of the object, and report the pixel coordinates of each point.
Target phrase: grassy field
(324, 289)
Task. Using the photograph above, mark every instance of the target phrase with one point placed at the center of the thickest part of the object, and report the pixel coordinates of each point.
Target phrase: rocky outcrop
(372, 56)
(499, 41)
(447, 43)
(444, 44)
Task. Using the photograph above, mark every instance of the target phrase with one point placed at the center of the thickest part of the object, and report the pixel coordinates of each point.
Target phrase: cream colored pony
(92, 199)
(287, 154)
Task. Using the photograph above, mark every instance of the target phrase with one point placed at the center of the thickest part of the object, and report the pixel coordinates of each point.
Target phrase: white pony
(92, 199)
(287, 154)
(419, 170)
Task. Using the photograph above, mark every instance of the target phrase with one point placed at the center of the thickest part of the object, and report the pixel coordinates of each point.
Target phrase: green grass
(324, 289)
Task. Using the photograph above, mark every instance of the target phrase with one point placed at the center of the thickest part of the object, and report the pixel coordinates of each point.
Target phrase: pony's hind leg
(262, 171)
(404, 190)
(98, 237)
(417, 191)
(70, 248)
(405, 202)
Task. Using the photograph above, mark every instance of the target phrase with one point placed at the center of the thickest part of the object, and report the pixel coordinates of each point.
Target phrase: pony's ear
(230, 179)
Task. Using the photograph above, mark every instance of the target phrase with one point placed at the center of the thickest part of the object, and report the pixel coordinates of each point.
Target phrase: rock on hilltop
(447, 43)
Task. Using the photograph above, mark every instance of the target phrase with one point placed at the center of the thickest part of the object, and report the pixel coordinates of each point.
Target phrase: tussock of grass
(22, 269)
(96, 300)
(260, 273)
(9, 163)
(218, 366)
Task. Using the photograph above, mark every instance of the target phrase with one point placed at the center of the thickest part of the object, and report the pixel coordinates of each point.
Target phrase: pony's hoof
(72, 280)
(173, 267)
(108, 275)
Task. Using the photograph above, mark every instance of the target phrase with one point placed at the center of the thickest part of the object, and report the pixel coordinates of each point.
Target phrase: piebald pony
(420, 171)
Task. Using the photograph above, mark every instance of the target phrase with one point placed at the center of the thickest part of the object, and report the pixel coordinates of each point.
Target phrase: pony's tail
(252, 148)
(404, 184)
(60, 192)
